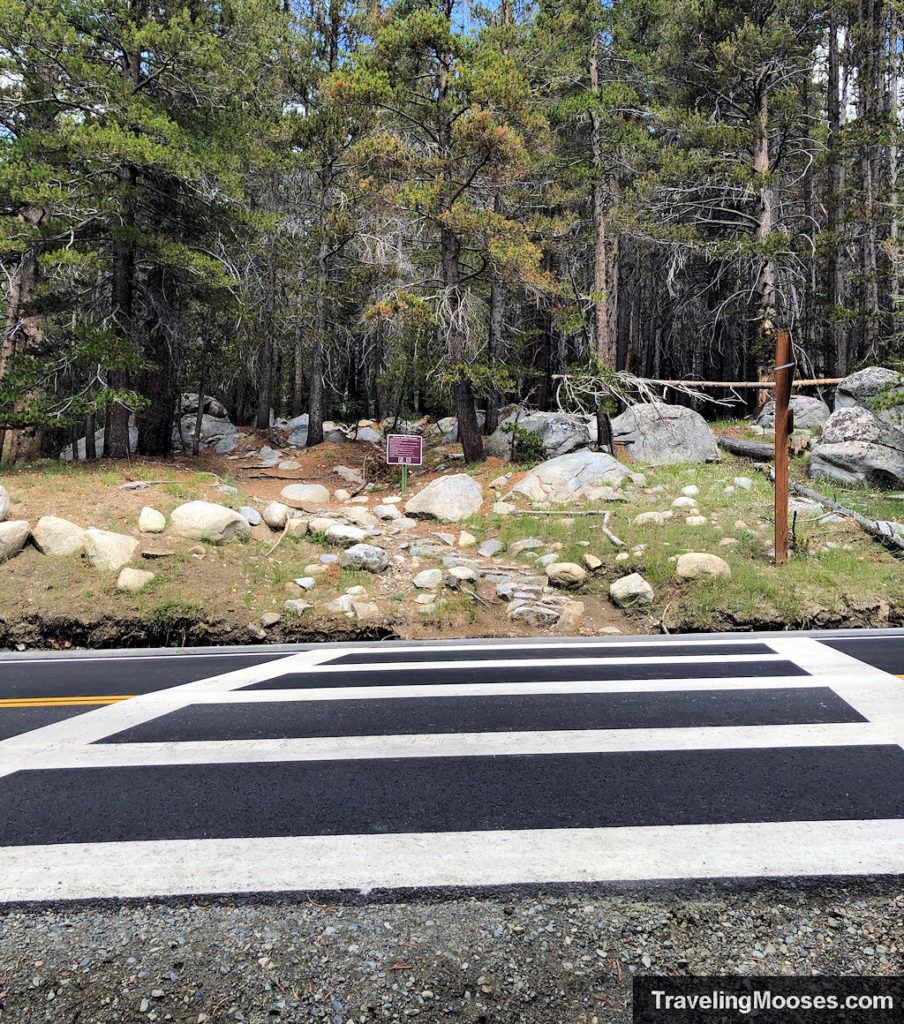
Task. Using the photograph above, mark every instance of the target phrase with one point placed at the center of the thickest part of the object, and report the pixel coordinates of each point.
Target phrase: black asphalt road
(514, 739)
(27, 678)
(514, 713)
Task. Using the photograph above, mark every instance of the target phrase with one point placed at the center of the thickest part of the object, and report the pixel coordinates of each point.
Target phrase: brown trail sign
(404, 450)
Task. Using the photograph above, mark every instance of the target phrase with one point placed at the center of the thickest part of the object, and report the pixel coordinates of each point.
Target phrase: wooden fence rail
(762, 385)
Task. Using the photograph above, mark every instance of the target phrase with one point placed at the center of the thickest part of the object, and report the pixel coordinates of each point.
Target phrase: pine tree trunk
(382, 408)
(23, 331)
(298, 373)
(265, 386)
(315, 396)
(604, 284)
(90, 442)
(494, 352)
(765, 285)
(834, 281)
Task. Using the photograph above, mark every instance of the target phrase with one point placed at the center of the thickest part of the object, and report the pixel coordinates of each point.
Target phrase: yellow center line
(60, 702)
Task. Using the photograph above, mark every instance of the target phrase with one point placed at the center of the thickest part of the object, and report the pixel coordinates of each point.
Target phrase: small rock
(251, 516)
(306, 582)
(466, 540)
(744, 482)
(534, 614)
(429, 579)
(565, 574)
(304, 495)
(5, 503)
(329, 559)
(696, 564)
(592, 562)
(275, 514)
(695, 520)
(269, 619)
(503, 508)
(530, 544)
(296, 526)
(133, 580)
(570, 619)
(296, 607)
(205, 520)
(387, 511)
(13, 535)
(365, 610)
(403, 525)
(691, 490)
(629, 590)
(315, 569)
(345, 535)
(648, 519)
(365, 556)
(463, 573)
(684, 502)
(727, 542)
(109, 551)
(255, 630)
(490, 547)
(444, 538)
(58, 537)
(501, 482)
(151, 521)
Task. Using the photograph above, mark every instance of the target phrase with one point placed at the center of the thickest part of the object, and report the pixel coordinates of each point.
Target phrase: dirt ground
(208, 594)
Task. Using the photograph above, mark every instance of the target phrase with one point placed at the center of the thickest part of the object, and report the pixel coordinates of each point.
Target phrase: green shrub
(527, 445)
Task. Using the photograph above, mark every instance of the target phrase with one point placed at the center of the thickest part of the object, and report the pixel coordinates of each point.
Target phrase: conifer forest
(357, 208)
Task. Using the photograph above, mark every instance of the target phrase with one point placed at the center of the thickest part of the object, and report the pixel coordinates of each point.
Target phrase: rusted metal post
(784, 373)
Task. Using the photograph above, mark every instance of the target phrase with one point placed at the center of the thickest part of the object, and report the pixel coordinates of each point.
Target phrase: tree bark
(450, 248)
(90, 443)
(494, 352)
(23, 331)
(604, 279)
(265, 386)
(834, 280)
(158, 382)
(298, 372)
(765, 285)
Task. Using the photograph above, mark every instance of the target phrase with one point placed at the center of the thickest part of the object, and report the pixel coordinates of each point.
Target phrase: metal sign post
(404, 450)
(784, 424)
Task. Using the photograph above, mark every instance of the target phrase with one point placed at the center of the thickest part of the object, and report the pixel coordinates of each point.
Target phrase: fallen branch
(748, 449)
(879, 529)
(282, 536)
(565, 512)
(617, 541)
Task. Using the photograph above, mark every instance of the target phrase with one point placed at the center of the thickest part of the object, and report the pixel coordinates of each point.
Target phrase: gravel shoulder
(539, 957)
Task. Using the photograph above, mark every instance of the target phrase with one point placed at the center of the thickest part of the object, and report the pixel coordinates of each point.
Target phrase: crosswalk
(466, 765)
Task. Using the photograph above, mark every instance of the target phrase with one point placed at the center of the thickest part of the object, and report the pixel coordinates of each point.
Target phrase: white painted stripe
(530, 663)
(477, 744)
(45, 745)
(877, 695)
(437, 691)
(209, 866)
